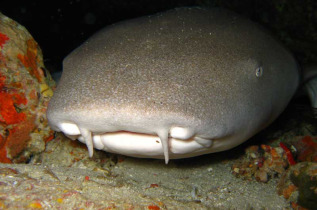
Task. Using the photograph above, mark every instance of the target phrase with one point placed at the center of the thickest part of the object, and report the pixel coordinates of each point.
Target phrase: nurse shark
(178, 84)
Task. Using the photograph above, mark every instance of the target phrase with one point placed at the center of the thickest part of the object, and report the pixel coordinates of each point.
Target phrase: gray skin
(212, 72)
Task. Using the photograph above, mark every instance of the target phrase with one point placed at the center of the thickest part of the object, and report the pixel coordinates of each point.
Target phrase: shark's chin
(146, 145)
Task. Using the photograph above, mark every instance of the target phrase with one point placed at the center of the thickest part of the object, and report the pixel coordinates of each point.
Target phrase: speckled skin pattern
(220, 76)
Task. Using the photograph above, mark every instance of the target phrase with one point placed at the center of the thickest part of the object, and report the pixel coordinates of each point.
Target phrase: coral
(299, 185)
(24, 94)
(296, 167)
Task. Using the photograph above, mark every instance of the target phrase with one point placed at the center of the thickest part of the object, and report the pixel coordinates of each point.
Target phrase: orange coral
(3, 152)
(50, 137)
(19, 136)
(307, 149)
(24, 94)
(30, 60)
(289, 190)
(153, 207)
(3, 39)
(16, 140)
(8, 112)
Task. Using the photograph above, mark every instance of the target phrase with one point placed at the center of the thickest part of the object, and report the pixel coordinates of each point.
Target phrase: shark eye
(259, 71)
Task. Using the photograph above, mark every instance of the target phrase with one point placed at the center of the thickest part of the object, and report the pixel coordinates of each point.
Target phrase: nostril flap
(69, 128)
(181, 133)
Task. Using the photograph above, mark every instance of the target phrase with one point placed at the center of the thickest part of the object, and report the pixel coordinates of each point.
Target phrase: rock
(306, 148)
(262, 163)
(25, 89)
(299, 185)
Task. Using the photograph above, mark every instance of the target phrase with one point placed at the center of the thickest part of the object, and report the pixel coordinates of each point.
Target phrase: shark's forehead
(207, 69)
(169, 63)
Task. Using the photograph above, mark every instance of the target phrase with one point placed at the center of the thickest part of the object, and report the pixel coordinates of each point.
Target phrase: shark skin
(177, 84)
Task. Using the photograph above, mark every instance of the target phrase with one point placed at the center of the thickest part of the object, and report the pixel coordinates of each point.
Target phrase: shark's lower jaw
(145, 145)
(173, 142)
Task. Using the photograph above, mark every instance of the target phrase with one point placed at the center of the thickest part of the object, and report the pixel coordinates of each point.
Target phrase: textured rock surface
(67, 178)
(299, 185)
(24, 94)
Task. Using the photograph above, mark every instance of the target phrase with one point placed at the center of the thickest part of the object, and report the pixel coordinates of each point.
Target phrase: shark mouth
(177, 142)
